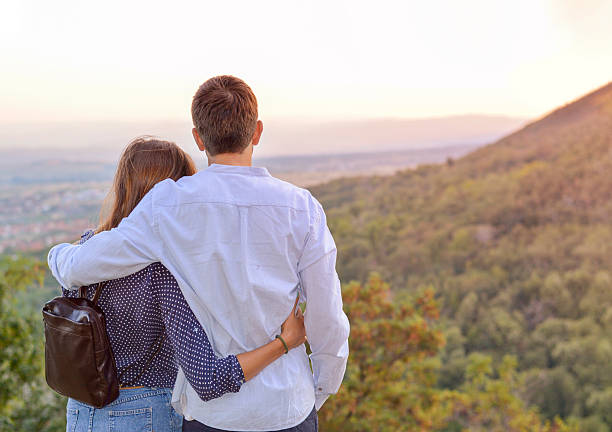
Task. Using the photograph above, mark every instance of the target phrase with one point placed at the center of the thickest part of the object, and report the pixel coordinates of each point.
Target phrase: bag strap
(83, 292)
(160, 343)
(99, 288)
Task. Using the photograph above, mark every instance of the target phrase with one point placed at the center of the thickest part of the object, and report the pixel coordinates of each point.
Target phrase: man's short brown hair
(224, 112)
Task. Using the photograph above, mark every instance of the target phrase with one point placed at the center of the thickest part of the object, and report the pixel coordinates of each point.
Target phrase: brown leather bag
(79, 361)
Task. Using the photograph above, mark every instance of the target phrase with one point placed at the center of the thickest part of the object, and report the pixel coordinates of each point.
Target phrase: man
(240, 243)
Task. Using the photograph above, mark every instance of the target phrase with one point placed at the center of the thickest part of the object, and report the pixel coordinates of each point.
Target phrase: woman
(150, 325)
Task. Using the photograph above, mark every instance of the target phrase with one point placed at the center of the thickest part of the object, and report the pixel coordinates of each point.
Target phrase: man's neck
(237, 159)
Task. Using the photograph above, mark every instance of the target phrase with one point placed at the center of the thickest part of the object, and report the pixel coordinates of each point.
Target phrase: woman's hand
(293, 331)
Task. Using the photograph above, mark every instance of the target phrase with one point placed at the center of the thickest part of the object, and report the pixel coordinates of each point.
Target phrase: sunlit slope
(583, 127)
(556, 170)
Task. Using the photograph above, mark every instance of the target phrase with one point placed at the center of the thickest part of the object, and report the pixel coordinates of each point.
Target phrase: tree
(26, 403)
(488, 400)
(389, 383)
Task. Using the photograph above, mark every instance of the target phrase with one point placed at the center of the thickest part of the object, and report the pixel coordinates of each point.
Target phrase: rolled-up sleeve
(124, 250)
(327, 326)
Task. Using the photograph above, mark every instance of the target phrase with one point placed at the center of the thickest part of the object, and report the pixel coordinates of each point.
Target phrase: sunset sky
(132, 60)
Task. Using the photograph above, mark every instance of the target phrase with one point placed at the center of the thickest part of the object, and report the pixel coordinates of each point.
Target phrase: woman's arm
(209, 375)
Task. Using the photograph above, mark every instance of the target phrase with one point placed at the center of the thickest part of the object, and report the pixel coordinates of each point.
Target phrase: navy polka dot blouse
(148, 308)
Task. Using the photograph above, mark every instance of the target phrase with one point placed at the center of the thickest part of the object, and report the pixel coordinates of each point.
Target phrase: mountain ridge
(556, 132)
(516, 240)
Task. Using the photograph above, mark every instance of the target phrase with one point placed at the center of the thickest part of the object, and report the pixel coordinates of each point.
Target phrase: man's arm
(327, 327)
(124, 250)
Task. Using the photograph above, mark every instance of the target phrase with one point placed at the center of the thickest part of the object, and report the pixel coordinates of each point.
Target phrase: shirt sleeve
(209, 375)
(113, 254)
(84, 237)
(327, 326)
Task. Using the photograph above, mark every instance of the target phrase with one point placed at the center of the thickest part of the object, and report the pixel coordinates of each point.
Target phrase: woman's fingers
(295, 305)
(293, 329)
(292, 314)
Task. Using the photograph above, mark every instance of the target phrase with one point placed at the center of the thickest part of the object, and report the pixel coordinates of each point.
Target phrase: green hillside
(516, 240)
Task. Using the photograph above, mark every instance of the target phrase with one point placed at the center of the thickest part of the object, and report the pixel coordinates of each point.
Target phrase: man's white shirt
(241, 244)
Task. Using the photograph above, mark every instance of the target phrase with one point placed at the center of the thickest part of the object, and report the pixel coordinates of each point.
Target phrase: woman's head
(145, 162)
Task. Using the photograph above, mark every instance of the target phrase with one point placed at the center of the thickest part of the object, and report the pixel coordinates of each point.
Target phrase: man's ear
(258, 132)
(198, 140)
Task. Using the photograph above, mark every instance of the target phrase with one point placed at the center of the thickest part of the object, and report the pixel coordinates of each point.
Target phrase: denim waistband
(132, 394)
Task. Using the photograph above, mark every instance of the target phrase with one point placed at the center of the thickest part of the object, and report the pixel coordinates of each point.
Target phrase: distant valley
(47, 198)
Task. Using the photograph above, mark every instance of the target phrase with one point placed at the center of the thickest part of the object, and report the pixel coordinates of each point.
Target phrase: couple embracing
(205, 271)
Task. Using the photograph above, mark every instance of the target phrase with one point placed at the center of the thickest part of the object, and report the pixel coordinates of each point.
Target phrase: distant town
(51, 200)
(35, 216)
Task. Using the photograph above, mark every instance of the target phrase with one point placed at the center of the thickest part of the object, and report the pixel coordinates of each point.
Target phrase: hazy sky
(129, 60)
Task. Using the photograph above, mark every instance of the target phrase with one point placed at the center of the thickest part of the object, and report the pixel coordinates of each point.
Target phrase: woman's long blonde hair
(145, 162)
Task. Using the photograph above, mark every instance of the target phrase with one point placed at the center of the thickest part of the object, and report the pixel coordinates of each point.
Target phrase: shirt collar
(242, 170)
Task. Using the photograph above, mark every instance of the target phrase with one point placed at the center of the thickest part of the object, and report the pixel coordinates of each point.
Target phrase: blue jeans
(144, 409)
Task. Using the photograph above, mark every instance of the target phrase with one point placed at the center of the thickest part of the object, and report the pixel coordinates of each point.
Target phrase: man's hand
(293, 331)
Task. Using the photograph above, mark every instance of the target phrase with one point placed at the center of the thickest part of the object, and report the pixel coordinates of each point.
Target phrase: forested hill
(516, 240)
(555, 170)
